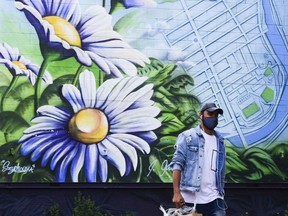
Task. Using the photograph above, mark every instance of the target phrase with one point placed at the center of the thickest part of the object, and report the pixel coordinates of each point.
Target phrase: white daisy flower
(104, 125)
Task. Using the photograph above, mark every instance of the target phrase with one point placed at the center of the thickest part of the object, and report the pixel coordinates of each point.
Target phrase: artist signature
(164, 167)
(9, 168)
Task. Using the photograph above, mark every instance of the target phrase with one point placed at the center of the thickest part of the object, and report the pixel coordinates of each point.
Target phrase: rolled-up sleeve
(179, 157)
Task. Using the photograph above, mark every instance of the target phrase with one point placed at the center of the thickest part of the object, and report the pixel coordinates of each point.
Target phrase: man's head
(211, 107)
(209, 117)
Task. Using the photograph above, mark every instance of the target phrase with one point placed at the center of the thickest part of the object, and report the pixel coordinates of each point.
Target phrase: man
(199, 165)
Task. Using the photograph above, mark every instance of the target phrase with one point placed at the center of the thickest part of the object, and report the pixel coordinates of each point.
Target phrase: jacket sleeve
(224, 166)
(179, 157)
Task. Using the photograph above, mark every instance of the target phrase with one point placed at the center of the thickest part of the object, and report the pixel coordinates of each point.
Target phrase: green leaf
(164, 103)
(168, 140)
(5, 74)
(26, 108)
(62, 68)
(52, 94)
(279, 154)
(261, 163)
(24, 88)
(180, 84)
(12, 125)
(12, 100)
(9, 151)
(164, 91)
(188, 102)
(256, 175)
(234, 162)
(188, 107)
(158, 74)
(127, 23)
(170, 124)
(166, 146)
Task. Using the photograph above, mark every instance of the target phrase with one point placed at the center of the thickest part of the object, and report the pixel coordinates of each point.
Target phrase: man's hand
(178, 200)
(177, 197)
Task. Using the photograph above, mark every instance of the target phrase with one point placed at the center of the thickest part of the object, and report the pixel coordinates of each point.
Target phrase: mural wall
(97, 91)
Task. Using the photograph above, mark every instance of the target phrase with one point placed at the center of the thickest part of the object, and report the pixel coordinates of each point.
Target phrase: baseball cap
(211, 107)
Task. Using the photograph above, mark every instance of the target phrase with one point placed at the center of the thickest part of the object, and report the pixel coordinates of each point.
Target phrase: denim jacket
(188, 158)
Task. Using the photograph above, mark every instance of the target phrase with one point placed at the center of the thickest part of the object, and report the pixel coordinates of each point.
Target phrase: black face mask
(210, 122)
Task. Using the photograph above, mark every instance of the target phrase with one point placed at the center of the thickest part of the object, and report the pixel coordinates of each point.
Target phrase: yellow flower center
(88, 126)
(20, 65)
(64, 30)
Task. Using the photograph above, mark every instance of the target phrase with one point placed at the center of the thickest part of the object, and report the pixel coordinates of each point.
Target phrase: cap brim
(214, 109)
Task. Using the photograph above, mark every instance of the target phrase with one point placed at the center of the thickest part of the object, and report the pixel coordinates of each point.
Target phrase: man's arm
(177, 197)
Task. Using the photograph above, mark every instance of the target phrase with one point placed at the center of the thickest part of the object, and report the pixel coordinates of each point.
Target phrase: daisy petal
(113, 154)
(129, 68)
(104, 91)
(103, 169)
(50, 152)
(54, 112)
(67, 145)
(62, 170)
(91, 165)
(101, 63)
(148, 136)
(119, 107)
(88, 88)
(121, 91)
(77, 163)
(37, 134)
(135, 114)
(45, 127)
(127, 149)
(39, 150)
(31, 144)
(99, 17)
(81, 55)
(73, 96)
(132, 140)
(135, 125)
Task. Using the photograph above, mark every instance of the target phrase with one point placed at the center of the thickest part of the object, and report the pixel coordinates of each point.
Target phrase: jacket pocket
(192, 153)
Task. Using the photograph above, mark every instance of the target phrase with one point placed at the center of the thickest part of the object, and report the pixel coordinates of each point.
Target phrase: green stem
(38, 84)
(115, 6)
(140, 170)
(100, 78)
(79, 70)
(12, 84)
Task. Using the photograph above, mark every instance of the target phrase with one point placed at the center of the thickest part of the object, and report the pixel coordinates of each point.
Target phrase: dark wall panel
(140, 201)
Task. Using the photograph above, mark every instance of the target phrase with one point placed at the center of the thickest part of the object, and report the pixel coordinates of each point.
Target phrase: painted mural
(97, 91)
